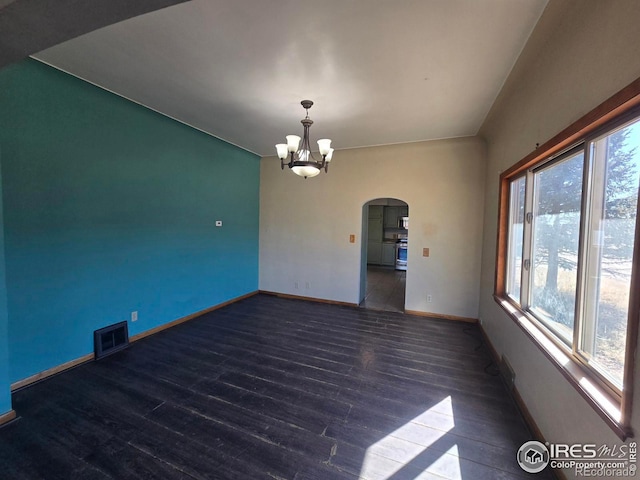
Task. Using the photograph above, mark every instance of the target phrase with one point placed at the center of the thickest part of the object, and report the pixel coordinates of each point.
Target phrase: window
(611, 223)
(555, 231)
(516, 229)
(568, 254)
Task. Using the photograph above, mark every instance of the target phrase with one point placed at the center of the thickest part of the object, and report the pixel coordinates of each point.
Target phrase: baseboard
(348, 304)
(440, 315)
(308, 299)
(7, 417)
(173, 323)
(90, 356)
(51, 371)
(520, 403)
(492, 351)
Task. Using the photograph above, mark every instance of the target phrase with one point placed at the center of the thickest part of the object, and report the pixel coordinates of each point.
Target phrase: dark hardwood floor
(275, 388)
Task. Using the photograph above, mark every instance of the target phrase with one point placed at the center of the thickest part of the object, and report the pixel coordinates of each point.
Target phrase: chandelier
(301, 160)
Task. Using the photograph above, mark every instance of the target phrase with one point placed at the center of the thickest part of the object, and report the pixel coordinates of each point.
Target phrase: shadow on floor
(385, 289)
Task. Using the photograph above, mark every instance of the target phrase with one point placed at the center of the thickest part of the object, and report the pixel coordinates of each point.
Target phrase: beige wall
(305, 224)
(580, 54)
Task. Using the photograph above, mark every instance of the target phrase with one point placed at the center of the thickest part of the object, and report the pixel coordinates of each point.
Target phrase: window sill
(607, 406)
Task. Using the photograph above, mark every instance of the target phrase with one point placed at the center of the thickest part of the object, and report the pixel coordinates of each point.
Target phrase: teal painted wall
(110, 208)
(5, 382)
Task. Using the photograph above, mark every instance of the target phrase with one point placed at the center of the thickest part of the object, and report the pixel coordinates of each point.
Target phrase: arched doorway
(383, 254)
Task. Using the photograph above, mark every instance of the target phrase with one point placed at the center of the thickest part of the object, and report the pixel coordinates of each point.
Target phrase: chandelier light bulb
(293, 142)
(304, 155)
(324, 145)
(329, 155)
(283, 151)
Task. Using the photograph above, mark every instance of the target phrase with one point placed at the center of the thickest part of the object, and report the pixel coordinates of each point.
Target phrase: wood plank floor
(275, 388)
(385, 289)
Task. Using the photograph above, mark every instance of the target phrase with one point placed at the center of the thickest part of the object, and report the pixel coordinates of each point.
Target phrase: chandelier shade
(305, 170)
(296, 153)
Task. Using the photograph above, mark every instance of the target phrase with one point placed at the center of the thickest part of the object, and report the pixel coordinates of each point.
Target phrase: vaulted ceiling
(379, 71)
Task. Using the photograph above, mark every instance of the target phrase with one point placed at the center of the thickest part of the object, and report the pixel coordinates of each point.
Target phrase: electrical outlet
(134, 316)
(428, 298)
(307, 285)
(218, 223)
(295, 285)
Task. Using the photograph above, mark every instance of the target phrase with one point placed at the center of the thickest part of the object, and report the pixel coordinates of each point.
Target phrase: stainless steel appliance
(401, 254)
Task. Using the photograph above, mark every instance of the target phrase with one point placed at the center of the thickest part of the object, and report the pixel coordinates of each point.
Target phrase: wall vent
(111, 339)
(507, 373)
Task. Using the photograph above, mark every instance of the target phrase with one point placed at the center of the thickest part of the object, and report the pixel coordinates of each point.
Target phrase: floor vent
(110, 339)
(508, 375)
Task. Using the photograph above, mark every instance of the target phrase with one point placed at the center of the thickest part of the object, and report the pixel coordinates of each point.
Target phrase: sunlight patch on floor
(407, 448)
(447, 465)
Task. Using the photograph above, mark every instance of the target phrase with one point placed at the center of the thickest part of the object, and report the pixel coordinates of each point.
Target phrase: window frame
(509, 262)
(613, 406)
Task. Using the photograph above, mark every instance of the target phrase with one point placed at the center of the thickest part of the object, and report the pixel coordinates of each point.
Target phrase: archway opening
(385, 235)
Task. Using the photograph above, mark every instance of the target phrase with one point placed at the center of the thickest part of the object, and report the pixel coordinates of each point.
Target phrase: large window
(566, 258)
(555, 232)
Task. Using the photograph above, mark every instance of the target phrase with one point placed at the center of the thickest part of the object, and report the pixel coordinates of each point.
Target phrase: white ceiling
(379, 71)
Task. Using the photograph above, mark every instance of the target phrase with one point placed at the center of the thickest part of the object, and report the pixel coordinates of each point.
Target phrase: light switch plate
(425, 252)
(352, 238)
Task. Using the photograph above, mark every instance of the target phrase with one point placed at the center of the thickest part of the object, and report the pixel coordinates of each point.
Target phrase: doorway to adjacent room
(384, 254)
